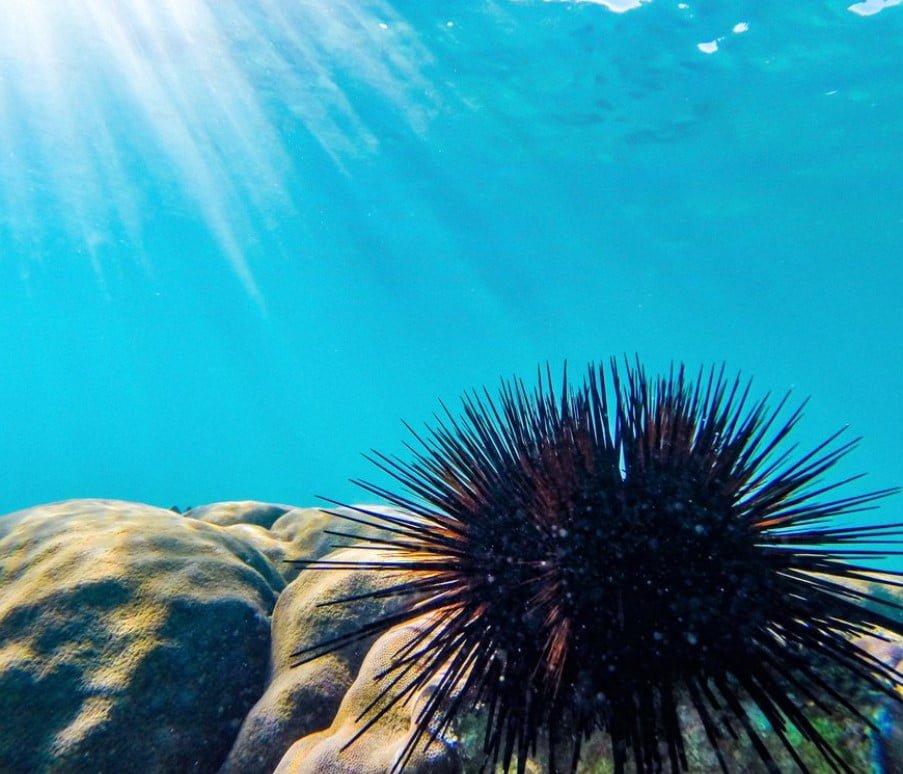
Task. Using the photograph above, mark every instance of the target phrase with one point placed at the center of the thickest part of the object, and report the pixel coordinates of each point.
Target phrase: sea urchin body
(595, 557)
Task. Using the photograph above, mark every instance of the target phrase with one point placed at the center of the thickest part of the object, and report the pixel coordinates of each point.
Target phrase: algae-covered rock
(300, 700)
(226, 514)
(131, 638)
(340, 750)
(281, 532)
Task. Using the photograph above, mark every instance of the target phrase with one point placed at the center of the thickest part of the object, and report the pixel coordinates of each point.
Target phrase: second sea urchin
(598, 556)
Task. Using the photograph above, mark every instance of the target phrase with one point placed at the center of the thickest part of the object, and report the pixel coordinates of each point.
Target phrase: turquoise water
(241, 241)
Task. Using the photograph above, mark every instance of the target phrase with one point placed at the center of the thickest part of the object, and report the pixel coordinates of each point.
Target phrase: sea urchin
(599, 556)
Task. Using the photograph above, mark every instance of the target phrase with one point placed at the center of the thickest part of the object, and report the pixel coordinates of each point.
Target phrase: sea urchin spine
(598, 556)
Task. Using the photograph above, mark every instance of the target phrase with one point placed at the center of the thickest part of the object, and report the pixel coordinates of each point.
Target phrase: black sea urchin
(597, 557)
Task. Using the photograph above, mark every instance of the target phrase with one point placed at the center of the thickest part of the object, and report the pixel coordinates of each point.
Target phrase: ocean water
(243, 240)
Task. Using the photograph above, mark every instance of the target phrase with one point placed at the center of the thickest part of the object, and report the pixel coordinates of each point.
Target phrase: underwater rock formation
(301, 700)
(133, 638)
(337, 750)
(279, 532)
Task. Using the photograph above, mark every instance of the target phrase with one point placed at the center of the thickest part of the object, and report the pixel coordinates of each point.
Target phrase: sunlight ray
(109, 104)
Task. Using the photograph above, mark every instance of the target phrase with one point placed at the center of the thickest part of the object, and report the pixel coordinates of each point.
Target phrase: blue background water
(242, 240)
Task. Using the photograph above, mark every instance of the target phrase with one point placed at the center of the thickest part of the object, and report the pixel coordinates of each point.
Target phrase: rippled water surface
(242, 240)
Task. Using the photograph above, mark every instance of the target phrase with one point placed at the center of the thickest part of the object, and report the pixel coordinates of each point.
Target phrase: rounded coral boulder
(131, 638)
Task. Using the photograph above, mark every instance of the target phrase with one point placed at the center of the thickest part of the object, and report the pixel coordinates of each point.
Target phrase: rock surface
(340, 750)
(302, 699)
(131, 638)
(280, 532)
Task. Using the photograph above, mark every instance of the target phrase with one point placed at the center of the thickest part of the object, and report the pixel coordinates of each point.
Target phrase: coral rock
(300, 700)
(280, 532)
(336, 751)
(131, 638)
